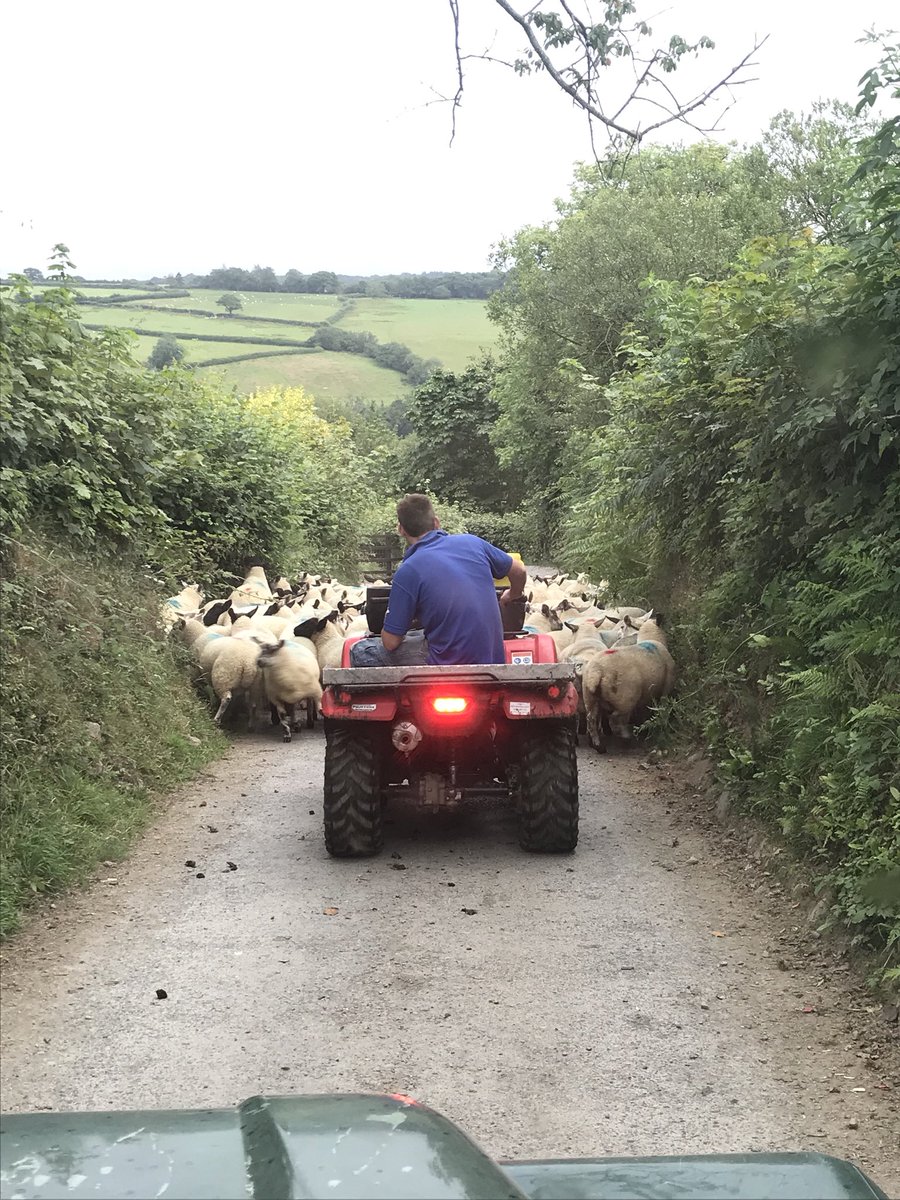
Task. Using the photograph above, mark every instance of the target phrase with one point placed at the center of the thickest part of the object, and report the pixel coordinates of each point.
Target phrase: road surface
(646, 995)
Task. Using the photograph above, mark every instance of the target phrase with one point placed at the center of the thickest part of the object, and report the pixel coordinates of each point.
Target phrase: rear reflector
(450, 704)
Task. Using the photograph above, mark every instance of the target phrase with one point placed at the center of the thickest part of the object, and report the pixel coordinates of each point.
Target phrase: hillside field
(451, 331)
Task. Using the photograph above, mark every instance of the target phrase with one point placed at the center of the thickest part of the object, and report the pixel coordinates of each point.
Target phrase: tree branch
(554, 74)
(578, 76)
(729, 80)
(457, 99)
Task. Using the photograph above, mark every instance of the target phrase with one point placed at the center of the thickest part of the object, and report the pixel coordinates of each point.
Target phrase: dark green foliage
(748, 472)
(575, 284)
(451, 453)
(165, 353)
(106, 468)
(432, 285)
(84, 433)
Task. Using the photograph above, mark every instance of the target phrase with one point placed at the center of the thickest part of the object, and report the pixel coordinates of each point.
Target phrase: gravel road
(645, 995)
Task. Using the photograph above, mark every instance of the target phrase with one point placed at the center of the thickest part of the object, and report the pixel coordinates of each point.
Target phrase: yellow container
(504, 583)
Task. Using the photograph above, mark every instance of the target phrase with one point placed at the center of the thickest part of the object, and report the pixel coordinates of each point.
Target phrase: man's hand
(517, 578)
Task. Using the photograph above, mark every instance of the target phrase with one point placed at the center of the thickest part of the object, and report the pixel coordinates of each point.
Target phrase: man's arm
(517, 576)
(401, 609)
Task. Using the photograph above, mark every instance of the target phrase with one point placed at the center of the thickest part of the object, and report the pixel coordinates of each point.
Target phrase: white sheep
(234, 672)
(254, 590)
(621, 682)
(544, 619)
(190, 629)
(290, 675)
(186, 604)
(326, 636)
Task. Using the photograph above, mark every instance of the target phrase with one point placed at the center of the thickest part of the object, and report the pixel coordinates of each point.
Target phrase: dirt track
(646, 995)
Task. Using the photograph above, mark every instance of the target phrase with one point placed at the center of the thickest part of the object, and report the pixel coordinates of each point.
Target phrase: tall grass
(95, 713)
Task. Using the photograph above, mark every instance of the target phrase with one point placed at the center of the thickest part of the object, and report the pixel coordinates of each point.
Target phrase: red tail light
(450, 704)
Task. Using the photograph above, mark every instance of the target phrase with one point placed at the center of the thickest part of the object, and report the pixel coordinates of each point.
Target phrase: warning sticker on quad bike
(363, 707)
(520, 708)
(522, 660)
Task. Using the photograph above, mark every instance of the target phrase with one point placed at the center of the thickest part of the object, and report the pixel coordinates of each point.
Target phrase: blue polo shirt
(446, 581)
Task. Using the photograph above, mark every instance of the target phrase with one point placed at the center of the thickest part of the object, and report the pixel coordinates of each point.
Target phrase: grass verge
(96, 713)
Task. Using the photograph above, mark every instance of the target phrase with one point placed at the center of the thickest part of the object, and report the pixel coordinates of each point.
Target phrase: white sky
(188, 134)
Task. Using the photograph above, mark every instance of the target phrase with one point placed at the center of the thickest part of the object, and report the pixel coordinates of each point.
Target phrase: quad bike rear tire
(353, 774)
(548, 787)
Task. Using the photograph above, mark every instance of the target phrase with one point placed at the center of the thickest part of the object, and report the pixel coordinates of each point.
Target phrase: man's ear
(437, 523)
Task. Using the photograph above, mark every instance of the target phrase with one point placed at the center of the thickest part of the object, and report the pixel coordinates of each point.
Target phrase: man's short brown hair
(416, 514)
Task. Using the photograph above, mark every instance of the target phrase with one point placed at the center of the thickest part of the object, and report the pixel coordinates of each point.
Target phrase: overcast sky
(188, 134)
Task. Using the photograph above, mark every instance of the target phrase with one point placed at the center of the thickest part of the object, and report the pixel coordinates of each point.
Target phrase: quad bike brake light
(450, 704)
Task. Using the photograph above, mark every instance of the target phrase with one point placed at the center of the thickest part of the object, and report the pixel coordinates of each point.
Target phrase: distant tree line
(430, 285)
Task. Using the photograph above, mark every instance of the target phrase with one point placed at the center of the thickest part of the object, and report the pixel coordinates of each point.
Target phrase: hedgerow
(116, 483)
(221, 336)
(748, 475)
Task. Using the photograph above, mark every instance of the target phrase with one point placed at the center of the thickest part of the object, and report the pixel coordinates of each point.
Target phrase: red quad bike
(441, 735)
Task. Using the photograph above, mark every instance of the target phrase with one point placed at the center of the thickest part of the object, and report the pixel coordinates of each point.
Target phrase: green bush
(83, 434)
(749, 474)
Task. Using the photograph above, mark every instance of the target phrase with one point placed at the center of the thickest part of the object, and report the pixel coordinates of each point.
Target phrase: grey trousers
(370, 652)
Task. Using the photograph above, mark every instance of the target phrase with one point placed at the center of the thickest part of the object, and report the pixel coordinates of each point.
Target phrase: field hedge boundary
(121, 298)
(281, 353)
(205, 312)
(206, 337)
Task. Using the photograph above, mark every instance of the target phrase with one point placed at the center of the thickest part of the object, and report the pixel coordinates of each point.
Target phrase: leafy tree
(574, 285)
(321, 282)
(165, 353)
(750, 459)
(230, 302)
(294, 281)
(264, 279)
(234, 279)
(451, 417)
(812, 156)
(33, 275)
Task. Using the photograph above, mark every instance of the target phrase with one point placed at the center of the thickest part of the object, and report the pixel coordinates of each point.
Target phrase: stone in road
(622, 1000)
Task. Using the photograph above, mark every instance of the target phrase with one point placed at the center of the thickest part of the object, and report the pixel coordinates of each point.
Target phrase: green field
(451, 331)
(324, 374)
(128, 317)
(286, 306)
(195, 352)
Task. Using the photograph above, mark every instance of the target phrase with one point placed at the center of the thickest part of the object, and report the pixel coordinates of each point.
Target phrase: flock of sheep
(622, 663)
(270, 645)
